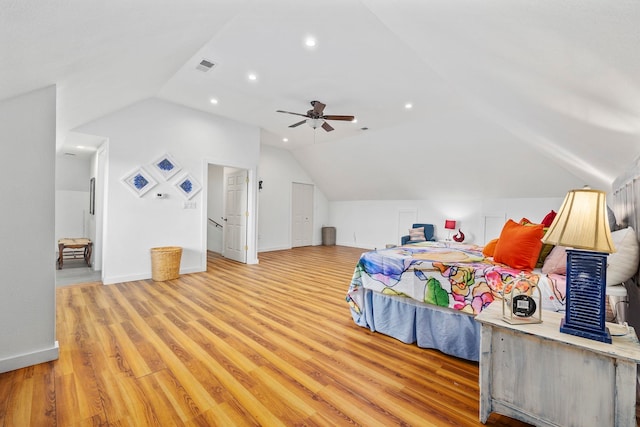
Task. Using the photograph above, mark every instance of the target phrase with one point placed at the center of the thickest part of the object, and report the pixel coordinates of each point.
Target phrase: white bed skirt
(429, 326)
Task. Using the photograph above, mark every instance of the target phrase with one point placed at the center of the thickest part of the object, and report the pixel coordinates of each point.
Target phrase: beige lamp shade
(582, 222)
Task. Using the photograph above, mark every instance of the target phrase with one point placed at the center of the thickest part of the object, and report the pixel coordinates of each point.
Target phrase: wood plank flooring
(271, 344)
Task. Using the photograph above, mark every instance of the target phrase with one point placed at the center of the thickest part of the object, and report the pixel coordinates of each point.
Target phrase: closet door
(302, 215)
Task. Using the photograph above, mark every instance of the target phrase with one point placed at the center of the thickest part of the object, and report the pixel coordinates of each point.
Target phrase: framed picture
(188, 186)
(92, 196)
(166, 166)
(139, 182)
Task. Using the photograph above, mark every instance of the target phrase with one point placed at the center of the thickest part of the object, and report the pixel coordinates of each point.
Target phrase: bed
(429, 293)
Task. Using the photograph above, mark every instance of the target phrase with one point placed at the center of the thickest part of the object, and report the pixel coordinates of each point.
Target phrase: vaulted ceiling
(510, 98)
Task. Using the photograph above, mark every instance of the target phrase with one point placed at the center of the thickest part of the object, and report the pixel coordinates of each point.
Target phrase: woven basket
(165, 263)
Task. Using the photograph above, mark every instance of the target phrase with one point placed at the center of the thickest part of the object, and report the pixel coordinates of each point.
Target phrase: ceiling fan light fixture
(315, 123)
(316, 118)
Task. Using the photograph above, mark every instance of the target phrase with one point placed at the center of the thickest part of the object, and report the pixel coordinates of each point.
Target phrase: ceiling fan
(315, 117)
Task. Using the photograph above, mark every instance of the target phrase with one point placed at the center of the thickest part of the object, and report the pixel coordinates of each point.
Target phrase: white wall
(137, 136)
(72, 173)
(27, 260)
(278, 169)
(72, 215)
(72, 197)
(372, 224)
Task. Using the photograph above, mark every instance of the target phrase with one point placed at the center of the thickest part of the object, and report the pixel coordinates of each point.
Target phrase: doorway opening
(227, 211)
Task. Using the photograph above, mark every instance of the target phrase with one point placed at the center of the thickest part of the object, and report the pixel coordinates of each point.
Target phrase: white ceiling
(527, 97)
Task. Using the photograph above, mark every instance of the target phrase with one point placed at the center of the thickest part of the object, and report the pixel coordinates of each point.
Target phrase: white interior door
(235, 226)
(302, 214)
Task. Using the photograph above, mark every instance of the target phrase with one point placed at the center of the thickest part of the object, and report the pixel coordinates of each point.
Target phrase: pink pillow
(556, 262)
(417, 234)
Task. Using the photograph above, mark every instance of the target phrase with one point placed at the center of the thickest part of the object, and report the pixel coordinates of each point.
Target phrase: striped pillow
(417, 234)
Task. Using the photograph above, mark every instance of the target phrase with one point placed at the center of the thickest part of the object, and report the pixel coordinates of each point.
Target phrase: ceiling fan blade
(326, 126)
(297, 124)
(318, 107)
(334, 117)
(289, 112)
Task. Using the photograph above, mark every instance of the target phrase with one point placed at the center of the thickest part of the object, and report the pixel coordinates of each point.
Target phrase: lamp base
(586, 284)
(597, 335)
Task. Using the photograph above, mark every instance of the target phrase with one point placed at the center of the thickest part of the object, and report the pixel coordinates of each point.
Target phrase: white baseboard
(29, 359)
(110, 280)
(359, 245)
(193, 270)
(274, 248)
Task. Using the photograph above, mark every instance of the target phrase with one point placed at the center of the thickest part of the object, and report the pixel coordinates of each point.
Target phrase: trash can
(328, 236)
(165, 263)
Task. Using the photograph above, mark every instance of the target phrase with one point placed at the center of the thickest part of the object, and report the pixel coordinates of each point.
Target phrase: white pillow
(623, 264)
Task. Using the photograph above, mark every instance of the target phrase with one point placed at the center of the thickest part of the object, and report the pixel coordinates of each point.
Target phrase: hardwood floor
(269, 344)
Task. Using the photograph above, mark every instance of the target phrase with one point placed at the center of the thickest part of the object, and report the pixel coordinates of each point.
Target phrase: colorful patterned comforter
(455, 275)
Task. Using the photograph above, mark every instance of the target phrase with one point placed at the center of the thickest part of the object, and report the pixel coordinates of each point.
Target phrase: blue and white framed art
(139, 181)
(167, 166)
(188, 186)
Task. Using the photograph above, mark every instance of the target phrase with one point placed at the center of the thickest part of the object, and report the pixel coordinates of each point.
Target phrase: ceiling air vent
(205, 65)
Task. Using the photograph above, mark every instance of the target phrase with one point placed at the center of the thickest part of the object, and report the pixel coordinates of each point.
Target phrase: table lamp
(582, 226)
(449, 224)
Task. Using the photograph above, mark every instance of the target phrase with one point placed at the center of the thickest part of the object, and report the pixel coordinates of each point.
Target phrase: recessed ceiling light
(355, 120)
(285, 139)
(408, 105)
(252, 76)
(310, 42)
(213, 101)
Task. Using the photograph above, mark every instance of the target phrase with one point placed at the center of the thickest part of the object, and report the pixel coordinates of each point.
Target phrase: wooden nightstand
(539, 375)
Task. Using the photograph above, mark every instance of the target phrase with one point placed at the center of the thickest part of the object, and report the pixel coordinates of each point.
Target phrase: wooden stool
(74, 244)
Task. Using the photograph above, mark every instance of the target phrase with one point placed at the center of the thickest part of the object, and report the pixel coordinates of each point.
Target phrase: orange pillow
(489, 248)
(519, 245)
